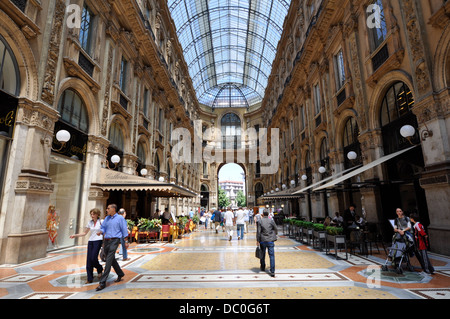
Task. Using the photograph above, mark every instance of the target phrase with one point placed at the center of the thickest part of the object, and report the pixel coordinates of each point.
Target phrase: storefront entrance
(66, 177)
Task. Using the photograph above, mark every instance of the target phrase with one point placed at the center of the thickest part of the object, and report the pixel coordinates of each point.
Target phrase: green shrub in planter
(298, 223)
(308, 224)
(331, 230)
(318, 227)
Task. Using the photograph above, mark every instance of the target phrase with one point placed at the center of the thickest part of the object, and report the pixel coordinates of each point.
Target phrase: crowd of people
(106, 235)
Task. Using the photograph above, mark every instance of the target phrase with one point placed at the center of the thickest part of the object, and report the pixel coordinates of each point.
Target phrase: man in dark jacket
(217, 219)
(266, 235)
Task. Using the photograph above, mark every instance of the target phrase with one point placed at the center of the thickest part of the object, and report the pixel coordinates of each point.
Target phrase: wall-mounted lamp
(322, 169)
(144, 172)
(352, 155)
(304, 177)
(115, 159)
(62, 136)
(292, 182)
(408, 131)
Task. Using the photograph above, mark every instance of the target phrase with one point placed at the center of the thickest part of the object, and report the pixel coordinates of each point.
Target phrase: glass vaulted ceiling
(229, 44)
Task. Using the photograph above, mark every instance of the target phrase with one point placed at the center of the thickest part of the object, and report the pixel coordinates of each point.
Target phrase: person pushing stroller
(403, 227)
(402, 243)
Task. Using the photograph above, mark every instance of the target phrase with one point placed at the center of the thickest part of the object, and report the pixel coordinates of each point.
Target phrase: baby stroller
(401, 250)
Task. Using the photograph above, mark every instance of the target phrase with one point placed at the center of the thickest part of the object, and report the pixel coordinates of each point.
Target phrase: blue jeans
(271, 249)
(123, 249)
(240, 230)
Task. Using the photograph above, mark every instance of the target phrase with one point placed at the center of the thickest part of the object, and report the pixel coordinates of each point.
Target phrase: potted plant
(335, 237)
(307, 231)
(286, 226)
(143, 224)
(154, 225)
(130, 224)
(196, 221)
(319, 234)
(182, 221)
(298, 229)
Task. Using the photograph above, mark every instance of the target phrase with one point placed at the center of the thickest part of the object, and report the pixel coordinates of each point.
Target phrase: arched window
(231, 131)
(351, 132)
(9, 70)
(295, 179)
(116, 136)
(351, 143)
(324, 157)
(141, 157)
(308, 169)
(157, 167)
(141, 153)
(259, 190)
(73, 110)
(395, 111)
(115, 144)
(397, 102)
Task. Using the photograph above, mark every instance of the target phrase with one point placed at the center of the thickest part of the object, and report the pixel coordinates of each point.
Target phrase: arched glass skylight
(230, 96)
(229, 42)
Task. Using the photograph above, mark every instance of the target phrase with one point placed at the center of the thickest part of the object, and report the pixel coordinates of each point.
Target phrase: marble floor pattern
(206, 265)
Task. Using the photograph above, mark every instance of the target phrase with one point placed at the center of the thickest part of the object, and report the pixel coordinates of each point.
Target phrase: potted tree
(335, 238)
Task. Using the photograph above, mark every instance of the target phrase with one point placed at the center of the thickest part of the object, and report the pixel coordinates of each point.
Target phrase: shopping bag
(102, 254)
(258, 252)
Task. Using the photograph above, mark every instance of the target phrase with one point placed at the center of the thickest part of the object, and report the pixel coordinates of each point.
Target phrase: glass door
(66, 177)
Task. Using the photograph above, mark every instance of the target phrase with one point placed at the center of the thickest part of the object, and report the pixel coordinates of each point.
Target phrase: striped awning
(117, 181)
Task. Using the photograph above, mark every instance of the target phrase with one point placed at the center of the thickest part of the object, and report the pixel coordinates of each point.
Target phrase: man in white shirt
(246, 219)
(229, 222)
(240, 223)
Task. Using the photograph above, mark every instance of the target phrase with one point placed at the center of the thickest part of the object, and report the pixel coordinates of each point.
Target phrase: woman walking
(94, 245)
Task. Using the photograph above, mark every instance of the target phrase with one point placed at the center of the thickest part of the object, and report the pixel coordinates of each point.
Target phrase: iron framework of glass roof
(229, 45)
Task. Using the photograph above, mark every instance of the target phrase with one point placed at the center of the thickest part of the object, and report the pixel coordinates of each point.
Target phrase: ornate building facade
(113, 74)
(345, 84)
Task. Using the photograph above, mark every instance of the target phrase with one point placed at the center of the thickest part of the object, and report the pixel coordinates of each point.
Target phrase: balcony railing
(380, 57)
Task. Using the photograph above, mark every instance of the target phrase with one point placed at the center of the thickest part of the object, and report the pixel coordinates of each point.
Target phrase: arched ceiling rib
(229, 43)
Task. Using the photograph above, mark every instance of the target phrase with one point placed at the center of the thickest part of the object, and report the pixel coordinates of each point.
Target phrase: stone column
(27, 185)
(434, 125)
(93, 196)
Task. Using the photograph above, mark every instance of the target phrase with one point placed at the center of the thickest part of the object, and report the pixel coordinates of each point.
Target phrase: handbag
(102, 253)
(258, 252)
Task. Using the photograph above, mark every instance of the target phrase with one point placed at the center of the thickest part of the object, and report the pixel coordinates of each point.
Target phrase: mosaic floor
(205, 265)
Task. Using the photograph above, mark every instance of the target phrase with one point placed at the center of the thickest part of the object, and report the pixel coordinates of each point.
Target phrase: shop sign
(8, 110)
(76, 147)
